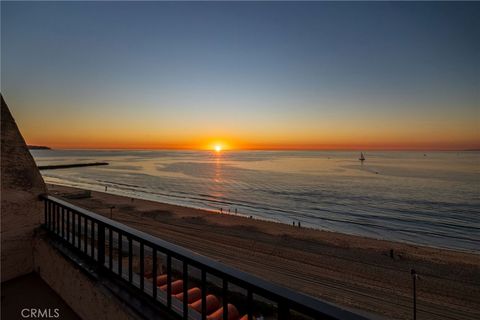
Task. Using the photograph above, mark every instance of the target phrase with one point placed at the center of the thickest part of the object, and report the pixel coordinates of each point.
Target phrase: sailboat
(362, 157)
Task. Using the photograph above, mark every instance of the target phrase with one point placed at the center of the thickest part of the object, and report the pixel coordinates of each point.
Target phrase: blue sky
(259, 73)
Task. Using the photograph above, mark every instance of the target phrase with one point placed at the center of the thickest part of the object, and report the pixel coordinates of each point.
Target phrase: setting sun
(240, 125)
(217, 145)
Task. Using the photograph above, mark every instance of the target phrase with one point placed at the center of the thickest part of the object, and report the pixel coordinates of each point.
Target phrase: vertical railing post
(142, 267)
(250, 304)
(74, 230)
(92, 238)
(101, 244)
(414, 278)
(204, 294)
(79, 232)
(52, 220)
(120, 254)
(85, 234)
(283, 310)
(49, 218)
(185, 290)
(154, 272)
(225, 298)
(45, 211)
(63, 222)
(130, 260)
(68, 226)
(110, 249)
(57, 212)
(169, 280)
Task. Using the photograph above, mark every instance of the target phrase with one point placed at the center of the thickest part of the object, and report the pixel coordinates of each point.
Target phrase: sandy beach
(354, 272)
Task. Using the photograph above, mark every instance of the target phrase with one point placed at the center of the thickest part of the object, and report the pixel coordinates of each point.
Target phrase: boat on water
(362, 157)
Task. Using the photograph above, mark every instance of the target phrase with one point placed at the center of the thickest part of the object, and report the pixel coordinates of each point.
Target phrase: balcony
(173, 280)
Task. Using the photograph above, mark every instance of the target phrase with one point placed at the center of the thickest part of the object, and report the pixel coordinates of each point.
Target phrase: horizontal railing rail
(87, 232)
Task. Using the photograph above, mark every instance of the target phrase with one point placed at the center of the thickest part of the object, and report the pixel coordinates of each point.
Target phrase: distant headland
(39, 148)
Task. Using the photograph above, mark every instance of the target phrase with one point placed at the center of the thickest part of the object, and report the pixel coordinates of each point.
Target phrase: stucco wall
(87, 297)
(21, 210)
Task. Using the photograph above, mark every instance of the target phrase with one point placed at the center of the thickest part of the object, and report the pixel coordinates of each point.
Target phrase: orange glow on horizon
(415, 138)
(218, 146)
(223, 146)
(113, 131)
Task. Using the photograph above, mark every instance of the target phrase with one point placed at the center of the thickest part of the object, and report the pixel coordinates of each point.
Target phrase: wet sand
(352, 271)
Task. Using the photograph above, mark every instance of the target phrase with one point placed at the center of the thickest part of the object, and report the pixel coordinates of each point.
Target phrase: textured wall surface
(21, 210)
(24, 249)
(89, 299)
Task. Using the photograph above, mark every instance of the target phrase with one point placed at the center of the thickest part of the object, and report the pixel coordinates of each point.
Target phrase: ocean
(426, 198)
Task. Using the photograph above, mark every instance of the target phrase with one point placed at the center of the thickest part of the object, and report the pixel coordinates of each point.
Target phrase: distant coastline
(39, 148)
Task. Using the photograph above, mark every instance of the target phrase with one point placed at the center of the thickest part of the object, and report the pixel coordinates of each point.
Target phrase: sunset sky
(243, 75)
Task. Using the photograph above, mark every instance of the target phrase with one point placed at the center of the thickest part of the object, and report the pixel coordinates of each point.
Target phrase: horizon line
(259, 149)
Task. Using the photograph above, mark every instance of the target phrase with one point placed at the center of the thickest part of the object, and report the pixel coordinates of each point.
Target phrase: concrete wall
(23, 245)
(21, 210)
(87, 297)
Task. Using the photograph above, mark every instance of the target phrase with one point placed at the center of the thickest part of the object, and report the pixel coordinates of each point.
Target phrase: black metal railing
(140, 259)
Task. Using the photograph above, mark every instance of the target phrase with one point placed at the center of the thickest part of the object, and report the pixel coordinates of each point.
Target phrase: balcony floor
(31, 292)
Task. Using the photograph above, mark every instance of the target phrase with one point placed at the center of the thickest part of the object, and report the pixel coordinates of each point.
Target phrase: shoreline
(262, 219)
(351, 271)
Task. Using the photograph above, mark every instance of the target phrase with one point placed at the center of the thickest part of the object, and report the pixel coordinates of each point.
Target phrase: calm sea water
(431, 199)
